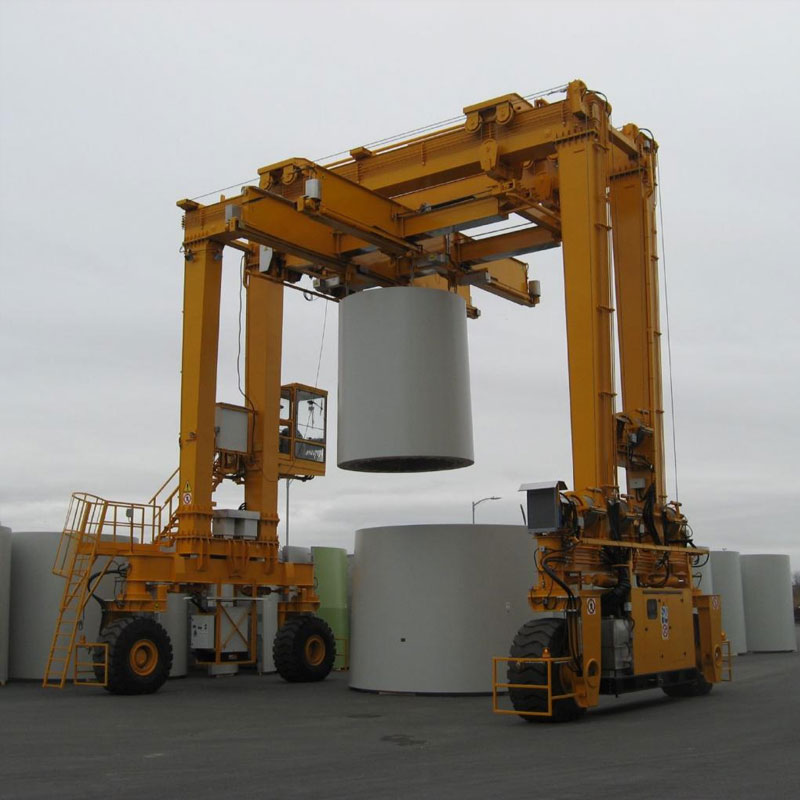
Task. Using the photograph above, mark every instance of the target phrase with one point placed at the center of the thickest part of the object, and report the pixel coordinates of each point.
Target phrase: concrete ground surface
(263, 738)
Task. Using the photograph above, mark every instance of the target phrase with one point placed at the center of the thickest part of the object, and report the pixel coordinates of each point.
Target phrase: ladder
(77, 551)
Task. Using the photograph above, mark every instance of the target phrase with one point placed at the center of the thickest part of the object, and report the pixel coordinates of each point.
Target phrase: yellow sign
(188, 488)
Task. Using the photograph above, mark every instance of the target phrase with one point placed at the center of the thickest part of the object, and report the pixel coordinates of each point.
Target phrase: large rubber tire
(304, 649)
(139, 656)
(530, 642)
(696, 688)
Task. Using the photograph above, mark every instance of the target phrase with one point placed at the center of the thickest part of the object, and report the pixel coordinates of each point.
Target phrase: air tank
(404, 394)
(726, 573)
(432, 604)
(768, 614)
(5, 599)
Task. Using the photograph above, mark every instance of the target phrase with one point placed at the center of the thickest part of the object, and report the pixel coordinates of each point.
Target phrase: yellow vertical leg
(632, 202)
(201, 293)
(583, 171)
(263, 389)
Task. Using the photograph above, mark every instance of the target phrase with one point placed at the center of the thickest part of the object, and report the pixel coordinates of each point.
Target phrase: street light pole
(478, 502)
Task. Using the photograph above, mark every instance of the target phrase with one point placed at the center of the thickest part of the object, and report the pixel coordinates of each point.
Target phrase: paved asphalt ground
(263, 738)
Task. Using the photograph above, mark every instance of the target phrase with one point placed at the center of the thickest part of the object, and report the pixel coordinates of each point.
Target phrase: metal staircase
(77, 551)
(122, 525)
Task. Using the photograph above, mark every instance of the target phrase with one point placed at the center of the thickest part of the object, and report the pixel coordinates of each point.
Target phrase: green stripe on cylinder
(330, 571)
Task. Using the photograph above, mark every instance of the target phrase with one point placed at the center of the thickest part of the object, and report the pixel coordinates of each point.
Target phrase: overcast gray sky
(111, 111)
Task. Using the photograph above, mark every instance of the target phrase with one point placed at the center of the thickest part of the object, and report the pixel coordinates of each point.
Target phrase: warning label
(591, 606)
(665, 621)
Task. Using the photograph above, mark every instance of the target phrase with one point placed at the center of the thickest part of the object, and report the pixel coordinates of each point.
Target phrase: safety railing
(85, 671)
(92, 518)
(727, 661)
(545, 688)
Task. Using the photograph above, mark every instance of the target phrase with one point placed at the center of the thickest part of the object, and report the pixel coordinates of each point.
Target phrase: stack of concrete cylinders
(330, 578)
(404, 392)
(176, 622)
(726, 574)
(432, 604)
(767, 586)
(5, 599)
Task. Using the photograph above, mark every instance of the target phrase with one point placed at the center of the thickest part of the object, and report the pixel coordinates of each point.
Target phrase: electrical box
(544, 506)
(234, 630)
(202, 632)
(232, 426)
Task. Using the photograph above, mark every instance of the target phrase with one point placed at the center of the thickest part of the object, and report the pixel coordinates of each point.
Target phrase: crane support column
(264, 337)
(584, 223)
(632, 201)
(202, 283)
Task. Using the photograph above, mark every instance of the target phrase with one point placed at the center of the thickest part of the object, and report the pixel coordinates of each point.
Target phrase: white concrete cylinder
(432, 604)
(297, 555)
(176, 622)
(404, 393)
(35, 600)
(703, 578)
(5, 599)
(768, 613)
(726, 574)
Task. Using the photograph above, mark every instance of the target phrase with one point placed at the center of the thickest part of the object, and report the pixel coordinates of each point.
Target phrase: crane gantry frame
(397, 215)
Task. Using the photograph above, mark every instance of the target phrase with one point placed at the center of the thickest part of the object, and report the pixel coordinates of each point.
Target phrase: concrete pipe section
(5, 599)
(404, 395)
(726, 575)
(433, 603)
(768, 613)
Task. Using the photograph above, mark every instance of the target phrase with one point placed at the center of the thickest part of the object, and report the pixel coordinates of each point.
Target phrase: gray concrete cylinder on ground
(5, 599)
(768, 614)
(404, 393)
(726, 572)
(176, 622)
(702, 577)
(35, 599)
(432, 604)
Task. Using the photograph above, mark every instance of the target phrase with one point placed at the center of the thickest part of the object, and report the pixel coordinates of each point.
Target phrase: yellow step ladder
(77, 551)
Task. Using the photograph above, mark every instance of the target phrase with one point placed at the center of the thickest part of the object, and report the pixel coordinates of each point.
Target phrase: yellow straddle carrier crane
(616, 608)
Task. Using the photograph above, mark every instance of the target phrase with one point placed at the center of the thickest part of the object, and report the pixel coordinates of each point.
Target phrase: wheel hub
(143, 657)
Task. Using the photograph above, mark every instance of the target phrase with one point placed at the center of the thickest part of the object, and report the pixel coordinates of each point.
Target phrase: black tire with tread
(121, 635)
(289, 649)
(531, 640)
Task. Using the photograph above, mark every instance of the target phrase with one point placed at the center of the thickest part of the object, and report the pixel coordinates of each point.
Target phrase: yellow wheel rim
(143, 657)
(315, 650)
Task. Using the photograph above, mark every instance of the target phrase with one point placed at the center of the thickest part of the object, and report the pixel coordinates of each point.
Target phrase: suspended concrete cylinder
(768, 614)
(330, 577)
(726, 574)
(432, 604)
(5, 599)
(404, 395)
